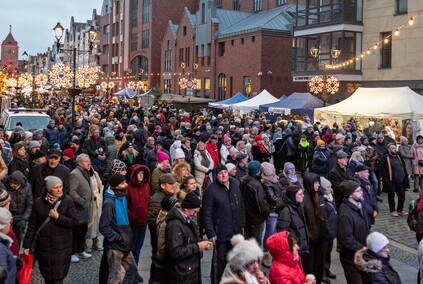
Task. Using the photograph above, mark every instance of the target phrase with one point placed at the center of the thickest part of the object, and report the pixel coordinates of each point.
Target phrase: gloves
(121, 240)
(208, 172)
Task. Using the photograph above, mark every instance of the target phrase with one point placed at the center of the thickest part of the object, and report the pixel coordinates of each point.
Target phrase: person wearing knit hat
(353, 229)
(320, 159)
(373, 261)
(255, 202)
(320, 142)
(244, 262)
(4, 198)
(162, 167)
(178, 223)
(59, 207)
(33, 146)
(220, 167)
(115, 227)
(231, 170)
(9, 263)
(162, 156)
(179, 156)
(404, 149)
(118, 166)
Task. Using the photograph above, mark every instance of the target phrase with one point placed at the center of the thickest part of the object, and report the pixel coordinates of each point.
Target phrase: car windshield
(28, 122)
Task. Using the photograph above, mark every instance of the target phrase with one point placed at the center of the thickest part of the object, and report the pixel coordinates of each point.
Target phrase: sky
(33, 20)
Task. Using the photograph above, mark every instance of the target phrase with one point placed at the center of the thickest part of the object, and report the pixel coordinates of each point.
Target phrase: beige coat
(97, 188)
(200, 170)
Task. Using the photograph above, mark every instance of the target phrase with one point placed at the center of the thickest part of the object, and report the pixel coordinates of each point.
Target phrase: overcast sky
(33, 20)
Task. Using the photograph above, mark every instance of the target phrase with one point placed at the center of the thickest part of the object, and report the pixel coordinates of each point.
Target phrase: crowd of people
(255, 192)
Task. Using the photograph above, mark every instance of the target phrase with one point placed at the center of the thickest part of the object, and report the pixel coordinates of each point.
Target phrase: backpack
(413, 215)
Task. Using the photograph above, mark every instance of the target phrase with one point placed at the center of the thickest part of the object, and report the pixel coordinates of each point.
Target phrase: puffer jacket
(375, 270)
(182, 237)
(138, 196)
(52, 135)
(161, 235)
(284, 269)
(320, 161)
(21, 201)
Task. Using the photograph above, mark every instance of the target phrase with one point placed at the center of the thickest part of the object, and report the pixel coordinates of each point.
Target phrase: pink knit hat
(161, 156)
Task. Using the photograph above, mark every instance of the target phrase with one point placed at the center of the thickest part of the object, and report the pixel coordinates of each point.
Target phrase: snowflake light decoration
(131, 84)
(41, 80)
(61, 75)
(332, 85)
(107, 86)
(316, 84)
(86, 76)
(3, 82)
(11, 82)
(183, 83)
(25, 80)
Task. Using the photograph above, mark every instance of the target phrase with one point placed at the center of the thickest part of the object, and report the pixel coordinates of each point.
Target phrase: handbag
(206, 182)
(25, 273)
(31, 250)
(420, 163)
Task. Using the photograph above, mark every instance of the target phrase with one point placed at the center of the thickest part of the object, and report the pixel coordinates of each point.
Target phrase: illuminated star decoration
(316, 84)
(61, 75)
(41, 80)
(86, 76)
(25, 80)
(332, 85)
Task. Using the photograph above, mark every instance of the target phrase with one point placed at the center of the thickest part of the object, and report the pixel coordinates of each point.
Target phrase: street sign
(190, 84)
(189, 93)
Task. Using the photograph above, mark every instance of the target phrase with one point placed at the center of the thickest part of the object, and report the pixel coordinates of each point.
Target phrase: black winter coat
(40, 172)
(223, 210)
(181, 246)
(91, 147)
(369, 202)
(19, 165)
(255, 202)
(21, 201)
(291, 218)
(273, 193)
(352, 229)
(336, 176)
(332, 216)
(53, 247)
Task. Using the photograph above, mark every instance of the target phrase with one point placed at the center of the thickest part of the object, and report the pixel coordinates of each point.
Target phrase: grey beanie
(52, 181)
(5, 218)
(268, 169)
(288, 166)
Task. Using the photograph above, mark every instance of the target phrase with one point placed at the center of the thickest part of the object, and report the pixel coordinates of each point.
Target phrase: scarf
(293, 178)
(204, 159)
(249, 279)
(121, 206)
(51, 198)
(273, 179)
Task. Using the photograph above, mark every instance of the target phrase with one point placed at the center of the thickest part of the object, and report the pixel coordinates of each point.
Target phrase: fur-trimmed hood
(367, 262)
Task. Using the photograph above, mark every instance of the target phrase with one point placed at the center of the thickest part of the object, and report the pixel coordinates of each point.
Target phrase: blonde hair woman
(203, 163)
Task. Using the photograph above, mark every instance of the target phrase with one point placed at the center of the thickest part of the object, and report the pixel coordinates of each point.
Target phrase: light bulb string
(378, 43)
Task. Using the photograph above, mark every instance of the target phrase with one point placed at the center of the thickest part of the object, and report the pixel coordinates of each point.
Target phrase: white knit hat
(179, 153)
(230, 166)
(243, 252)
(5, 217)
(376, 242)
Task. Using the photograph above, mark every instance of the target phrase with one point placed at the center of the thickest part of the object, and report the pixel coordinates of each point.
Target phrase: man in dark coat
(362, 178)
(52, 167)
(223, 213)
(352, 229)
(255, 202)
(83, 198)
(337, 175)
(394, 175)
(51, 133)
(183, 244)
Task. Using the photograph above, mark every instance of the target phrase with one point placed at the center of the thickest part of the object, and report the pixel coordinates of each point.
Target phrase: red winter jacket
(285, 269)
(213, 151)
(138, 196)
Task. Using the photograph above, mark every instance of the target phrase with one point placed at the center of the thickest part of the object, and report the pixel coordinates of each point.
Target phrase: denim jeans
(138, 237)
(271, 222)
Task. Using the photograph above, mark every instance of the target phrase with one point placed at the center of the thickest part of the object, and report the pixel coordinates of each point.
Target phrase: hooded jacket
(21, 201)
(375, 269)
(138, 196)
(284, 269)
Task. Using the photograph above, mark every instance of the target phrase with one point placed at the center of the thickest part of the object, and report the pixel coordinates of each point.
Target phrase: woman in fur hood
(373, 261)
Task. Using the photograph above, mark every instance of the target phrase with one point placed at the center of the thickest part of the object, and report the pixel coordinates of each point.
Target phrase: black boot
(330, 275)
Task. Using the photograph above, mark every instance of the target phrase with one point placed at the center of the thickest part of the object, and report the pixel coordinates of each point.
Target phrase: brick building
(9, 55)
(230, 51)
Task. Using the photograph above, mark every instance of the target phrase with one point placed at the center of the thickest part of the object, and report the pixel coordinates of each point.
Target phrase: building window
(168, 61)
(134, 12)
(203, 13)
(221, 49)
(105, 49)
(185, 30)
(219, 3)
(146, 11)
(221, 87)
(144, 67)
(402, 6)
(242, 40)
(237, 5)
(145, 39)
(134, 40)
(106, 29)
(167, 86)
(247, 86)
(207, 87)
(257, 5)
(280, 2)
(386, 51)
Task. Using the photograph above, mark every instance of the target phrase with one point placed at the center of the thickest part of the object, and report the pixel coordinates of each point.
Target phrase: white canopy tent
(253, 104)
(399, 102)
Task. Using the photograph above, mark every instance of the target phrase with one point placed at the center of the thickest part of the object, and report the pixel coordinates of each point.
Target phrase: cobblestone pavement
(402, 250)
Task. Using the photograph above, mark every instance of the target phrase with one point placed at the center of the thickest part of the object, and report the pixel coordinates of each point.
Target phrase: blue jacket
(7, 260)
(112, 228)
(52, 135)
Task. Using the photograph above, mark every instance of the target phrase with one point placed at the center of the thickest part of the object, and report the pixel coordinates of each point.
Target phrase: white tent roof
(378, 102)
(252, 104)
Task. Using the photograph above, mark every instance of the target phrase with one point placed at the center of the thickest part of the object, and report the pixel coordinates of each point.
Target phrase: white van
(31, 119)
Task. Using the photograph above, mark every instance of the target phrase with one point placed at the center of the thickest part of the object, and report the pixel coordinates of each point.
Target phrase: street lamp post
(92, 35)
(324, 84)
